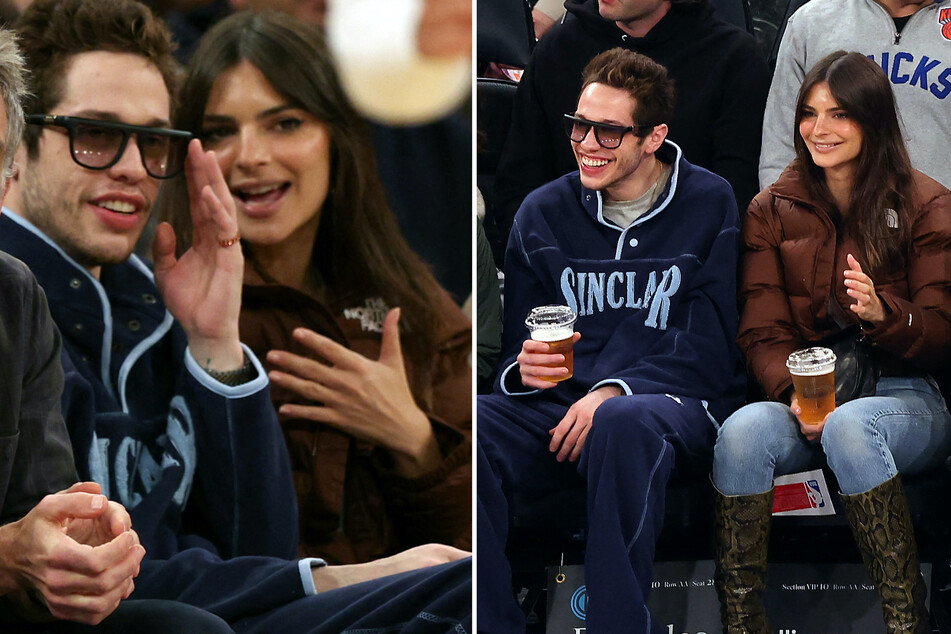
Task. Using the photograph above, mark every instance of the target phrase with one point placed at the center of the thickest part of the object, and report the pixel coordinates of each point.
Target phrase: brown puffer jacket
(794, 259)
(353, 506)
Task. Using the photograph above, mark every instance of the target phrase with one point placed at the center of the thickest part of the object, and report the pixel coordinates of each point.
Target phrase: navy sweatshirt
(656, 301)
(201, 467)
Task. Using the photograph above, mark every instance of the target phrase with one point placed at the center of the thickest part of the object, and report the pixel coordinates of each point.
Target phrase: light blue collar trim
(674, 177)
(106, 353)
(659, 207)
(137, 352)
(143, 268)
(146, 343)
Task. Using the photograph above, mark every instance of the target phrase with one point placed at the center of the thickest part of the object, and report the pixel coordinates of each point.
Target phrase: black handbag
(856, 369)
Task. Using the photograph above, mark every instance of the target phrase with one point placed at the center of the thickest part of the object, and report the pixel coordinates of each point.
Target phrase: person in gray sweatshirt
(910, 40)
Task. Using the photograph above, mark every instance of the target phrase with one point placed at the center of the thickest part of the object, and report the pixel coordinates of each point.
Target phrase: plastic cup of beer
(555, 326)
(813, 375)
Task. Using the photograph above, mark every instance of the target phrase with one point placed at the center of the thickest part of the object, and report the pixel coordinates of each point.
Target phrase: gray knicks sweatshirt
(917, 61)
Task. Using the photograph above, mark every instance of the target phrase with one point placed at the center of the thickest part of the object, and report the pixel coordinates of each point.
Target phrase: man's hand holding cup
(547, 357)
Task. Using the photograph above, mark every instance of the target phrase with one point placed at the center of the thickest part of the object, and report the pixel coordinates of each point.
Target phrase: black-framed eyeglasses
(98, 145)
(607, 135)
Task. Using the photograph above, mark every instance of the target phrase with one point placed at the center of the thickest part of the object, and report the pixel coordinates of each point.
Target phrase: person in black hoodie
(721, 83)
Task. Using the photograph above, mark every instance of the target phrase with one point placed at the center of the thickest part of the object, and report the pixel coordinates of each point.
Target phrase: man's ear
(20, 158)
(11, 194)
(6, 185)
(655, 139)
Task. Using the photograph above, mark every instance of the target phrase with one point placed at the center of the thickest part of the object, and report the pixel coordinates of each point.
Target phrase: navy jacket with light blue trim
(656, 301)
(202, 467)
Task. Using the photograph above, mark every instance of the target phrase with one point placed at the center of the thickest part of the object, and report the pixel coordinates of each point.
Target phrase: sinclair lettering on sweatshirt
(136, 471)
(590, 292)
(926, 73)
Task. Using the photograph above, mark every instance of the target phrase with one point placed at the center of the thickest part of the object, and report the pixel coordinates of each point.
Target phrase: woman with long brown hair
(368, 356)
(849, 240)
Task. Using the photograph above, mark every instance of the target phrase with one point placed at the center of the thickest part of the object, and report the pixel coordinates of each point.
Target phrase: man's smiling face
(610, 171)
(96, 216)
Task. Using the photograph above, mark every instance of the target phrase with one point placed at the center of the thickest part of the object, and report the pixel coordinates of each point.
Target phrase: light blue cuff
(228, 391)
(615, 382)
(502, 378)
(306, 576)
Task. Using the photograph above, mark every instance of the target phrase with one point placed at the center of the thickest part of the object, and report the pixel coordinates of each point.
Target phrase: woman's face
(274, 157)
(833, 137)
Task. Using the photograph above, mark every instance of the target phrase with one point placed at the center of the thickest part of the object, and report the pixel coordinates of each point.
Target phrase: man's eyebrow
(112, 117)
(610, 122)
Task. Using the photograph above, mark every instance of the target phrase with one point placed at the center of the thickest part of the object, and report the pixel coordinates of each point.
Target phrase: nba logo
(815, 495)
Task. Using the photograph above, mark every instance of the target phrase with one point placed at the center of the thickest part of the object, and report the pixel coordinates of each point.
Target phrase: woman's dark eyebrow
(217, 118)
(264, 114)
(273, 111)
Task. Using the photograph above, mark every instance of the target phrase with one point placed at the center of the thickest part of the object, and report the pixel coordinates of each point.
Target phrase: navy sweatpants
(630, 453)
(142, 616)
(435, 600)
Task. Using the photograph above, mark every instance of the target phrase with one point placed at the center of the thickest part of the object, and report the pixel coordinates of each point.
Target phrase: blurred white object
(374, 43)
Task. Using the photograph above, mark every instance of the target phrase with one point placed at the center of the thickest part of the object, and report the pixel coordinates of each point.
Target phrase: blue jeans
(905, 427)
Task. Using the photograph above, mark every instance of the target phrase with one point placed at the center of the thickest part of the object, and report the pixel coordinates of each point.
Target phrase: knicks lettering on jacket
(135, 470)
(591, 292)
(926, 73)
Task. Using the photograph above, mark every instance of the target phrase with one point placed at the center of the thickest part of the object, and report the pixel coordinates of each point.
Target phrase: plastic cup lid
(550, 317)
(811, 361)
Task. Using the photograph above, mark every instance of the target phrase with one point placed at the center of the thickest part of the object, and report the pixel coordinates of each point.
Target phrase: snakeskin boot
(742, 536)
(882, 527)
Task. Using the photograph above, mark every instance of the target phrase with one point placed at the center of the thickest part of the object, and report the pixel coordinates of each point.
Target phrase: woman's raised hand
(368, 399)
(860, 287)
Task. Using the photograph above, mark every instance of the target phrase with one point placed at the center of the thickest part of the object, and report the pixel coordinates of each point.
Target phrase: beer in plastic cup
(813, 375)
(555, 326)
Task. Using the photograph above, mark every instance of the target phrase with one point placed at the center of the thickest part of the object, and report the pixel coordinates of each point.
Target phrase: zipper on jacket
(904, 27)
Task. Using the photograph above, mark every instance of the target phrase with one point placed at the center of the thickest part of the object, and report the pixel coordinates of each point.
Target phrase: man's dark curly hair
(51, 32)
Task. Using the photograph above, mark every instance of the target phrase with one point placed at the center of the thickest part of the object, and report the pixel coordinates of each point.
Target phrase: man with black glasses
(720, 80)
(139, 405)
(165, 408)
(643, 247)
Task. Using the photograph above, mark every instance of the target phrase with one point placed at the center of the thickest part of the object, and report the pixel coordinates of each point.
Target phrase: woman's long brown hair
(883, 173)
